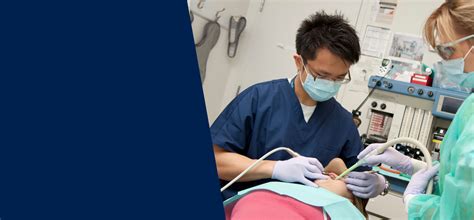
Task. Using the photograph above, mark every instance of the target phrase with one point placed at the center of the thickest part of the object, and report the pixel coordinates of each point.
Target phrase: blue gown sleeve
(231, 130)
(456, 175)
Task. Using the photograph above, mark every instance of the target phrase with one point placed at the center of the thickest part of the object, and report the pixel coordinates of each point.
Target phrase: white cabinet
(389, 206)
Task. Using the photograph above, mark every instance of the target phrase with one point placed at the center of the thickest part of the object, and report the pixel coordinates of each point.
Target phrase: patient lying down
(262, 204)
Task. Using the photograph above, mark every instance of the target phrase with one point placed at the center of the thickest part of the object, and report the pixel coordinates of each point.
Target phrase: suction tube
(291, 152)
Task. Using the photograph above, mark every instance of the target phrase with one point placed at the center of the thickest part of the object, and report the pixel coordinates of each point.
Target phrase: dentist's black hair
(333, 32)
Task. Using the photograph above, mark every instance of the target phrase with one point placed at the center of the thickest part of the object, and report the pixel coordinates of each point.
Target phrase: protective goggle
(345, 80)
(446, 50)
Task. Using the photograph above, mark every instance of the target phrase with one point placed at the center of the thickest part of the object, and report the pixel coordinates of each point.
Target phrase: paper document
(375, 41)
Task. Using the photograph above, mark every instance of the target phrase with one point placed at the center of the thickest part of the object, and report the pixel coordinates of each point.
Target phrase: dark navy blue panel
(102, 113)
(268, 115)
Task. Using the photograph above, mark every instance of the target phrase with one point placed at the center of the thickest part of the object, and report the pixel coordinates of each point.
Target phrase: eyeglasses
(446, 50)
(338, 81)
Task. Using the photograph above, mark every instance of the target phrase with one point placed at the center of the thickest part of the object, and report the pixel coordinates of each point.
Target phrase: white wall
(219, 65)
(262, 59)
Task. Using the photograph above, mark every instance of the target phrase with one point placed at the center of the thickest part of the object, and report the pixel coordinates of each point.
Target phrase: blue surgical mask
(451, 74)
(319, 90)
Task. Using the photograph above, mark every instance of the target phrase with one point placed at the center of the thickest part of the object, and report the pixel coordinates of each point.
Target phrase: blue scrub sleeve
(233, 127)
(352, 148)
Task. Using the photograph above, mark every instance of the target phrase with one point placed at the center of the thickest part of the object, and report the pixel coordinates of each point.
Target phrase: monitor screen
(451, 105)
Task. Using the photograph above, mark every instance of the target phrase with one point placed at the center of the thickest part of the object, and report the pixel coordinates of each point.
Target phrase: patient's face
(335, 186)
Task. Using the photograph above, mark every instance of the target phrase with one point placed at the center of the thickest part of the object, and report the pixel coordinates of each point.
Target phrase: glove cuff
(381, 184)
(275, 170)
(406, 200)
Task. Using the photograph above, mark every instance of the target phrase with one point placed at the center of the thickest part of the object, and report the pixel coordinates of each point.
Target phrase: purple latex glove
(419, 181)
(299, 169)
(390, 157)
(365, 184)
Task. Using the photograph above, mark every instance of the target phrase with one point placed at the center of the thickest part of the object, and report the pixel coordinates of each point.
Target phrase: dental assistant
(450, 30)
(300, 113)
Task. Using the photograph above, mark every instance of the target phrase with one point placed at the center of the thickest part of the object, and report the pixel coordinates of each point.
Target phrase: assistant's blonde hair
(451, 19)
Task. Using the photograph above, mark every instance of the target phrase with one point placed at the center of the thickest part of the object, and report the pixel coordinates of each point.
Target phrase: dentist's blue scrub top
(268, 115)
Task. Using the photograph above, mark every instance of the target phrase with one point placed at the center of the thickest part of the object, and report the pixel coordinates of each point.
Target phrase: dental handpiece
(361, 161)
